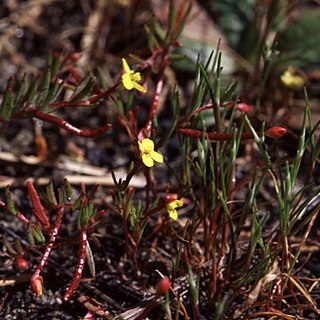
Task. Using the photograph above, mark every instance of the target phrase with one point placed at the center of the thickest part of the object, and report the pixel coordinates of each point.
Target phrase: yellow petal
(141, 147)
(148, 145)
(156, 156)
(147, 160)
(173, 214)
(126, 66)
(179, 203)
(138, 87)
(174, 204)
(127, 82)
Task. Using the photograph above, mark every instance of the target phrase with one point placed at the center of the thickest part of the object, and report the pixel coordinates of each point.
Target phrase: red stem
(230, 105)
(274, 132)
(67, 126)
(19, 215)
(104, 94)
(49, 246)
(159, 88)
(79, 268)
(155, 103)
(81, 103)
(213, 135)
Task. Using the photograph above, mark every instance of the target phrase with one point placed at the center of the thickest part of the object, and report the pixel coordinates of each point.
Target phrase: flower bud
(131, 191)
(243, 107)
(171, 197)
(21, 263)
(163, 286)
(75, 56)
(36, 283)
(276, 132)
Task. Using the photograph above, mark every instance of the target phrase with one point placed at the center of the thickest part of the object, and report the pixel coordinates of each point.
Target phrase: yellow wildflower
(171, 208)
(293, 79)
(130, 78)
(146, 147)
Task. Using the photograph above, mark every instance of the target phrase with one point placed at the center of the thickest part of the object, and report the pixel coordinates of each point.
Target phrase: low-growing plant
(232, 263)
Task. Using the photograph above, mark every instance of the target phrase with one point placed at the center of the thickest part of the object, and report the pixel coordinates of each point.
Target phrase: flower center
(135, 76)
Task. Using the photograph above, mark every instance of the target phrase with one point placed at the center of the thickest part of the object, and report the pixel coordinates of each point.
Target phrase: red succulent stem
(81, 103)
(159, 88)
(155, 103)
(150, 61)
(231, 105)
(79, 268)
(38, 209)
(67, 126)
(274, 132)
(49, 246)
(104, 94)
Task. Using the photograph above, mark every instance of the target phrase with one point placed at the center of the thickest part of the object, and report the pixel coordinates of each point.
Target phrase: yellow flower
(130, 78)
(292, 79)
(146, 147)
(171, 208)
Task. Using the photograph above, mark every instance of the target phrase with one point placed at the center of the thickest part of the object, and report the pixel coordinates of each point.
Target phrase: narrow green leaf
(51, 195)
(84, 88)
(51, 96)
(90, 260)
(44, 89)
(62, 198)
(6, 107)
(101, 80)
(23, 88)
(8, 245)
(171, 19)
(301, 148)
(30, 236)
(77, 202)
(67, 189)
(90, 210)
(176, 117)
(31, 94)
(10, 203)
(56, 65)
(18, 245)
(38, 235)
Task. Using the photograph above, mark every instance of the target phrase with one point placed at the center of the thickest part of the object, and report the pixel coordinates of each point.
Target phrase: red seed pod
(21, 263)
(171, 197)
(75, 56)
(276, 132)
(163, 286)
(36, 283)
(243, 107)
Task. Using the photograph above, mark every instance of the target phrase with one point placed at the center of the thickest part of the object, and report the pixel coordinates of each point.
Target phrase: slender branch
(159, 88)
(79, 268)
(81, 103)
(104, 94)
(274, 132)
(36, 278)
(67, 126)
(155, 103)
